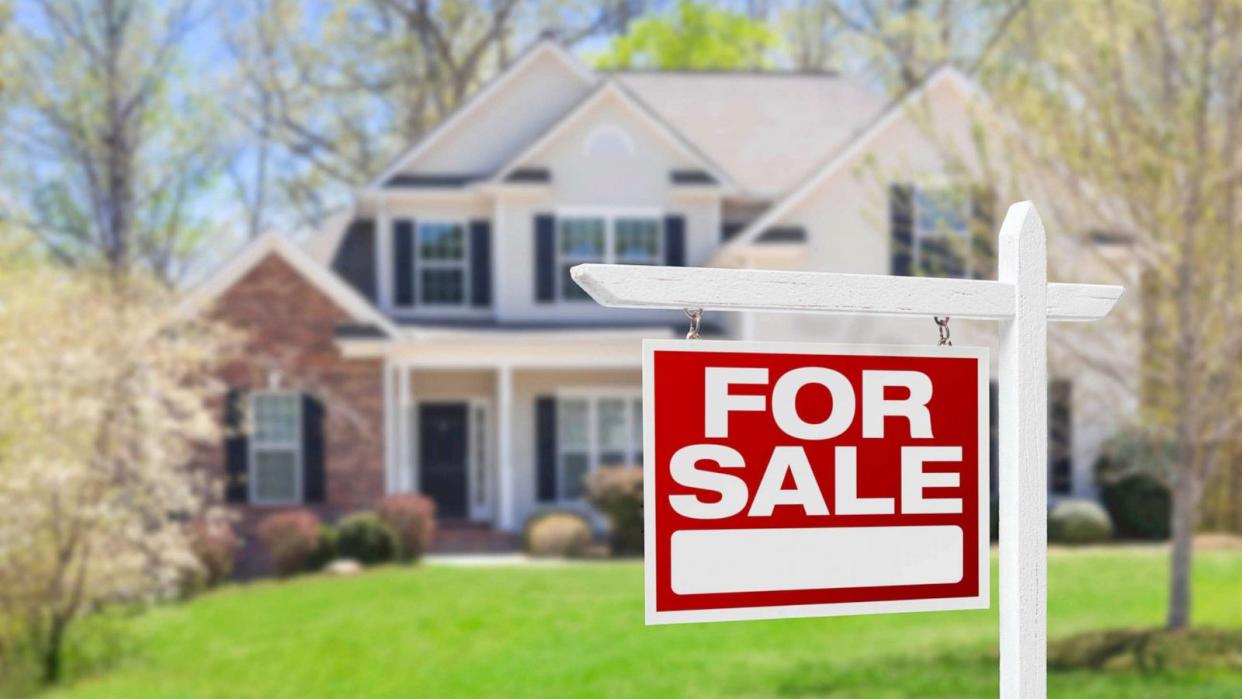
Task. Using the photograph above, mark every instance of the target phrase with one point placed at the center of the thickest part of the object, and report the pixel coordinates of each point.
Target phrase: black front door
(442, 456)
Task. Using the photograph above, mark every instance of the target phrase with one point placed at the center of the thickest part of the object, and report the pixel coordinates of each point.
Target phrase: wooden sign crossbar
(1021, 299)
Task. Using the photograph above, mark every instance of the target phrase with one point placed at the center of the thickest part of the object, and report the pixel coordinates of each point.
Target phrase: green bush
(557, 534)
(994, 518)
(1079, 522)
(364, 538)
(325, 551)
(618, 494)
(1139, 505)
(412, 519)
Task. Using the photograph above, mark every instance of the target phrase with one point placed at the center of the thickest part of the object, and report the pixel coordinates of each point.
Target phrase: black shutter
(675, 241)
(983, 231)
(545, 258)
(545, 447)
(313, 474)
(236, 447)
(403, 261)
(355, 257)
(901, 228)
(1060, 437)
(480, 263)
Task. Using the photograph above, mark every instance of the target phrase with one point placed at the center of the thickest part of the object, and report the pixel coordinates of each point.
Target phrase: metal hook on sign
(942, 325)
(696, 319)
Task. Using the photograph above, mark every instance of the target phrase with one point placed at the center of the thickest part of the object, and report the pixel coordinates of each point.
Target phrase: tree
(896, 42)
(334, 103)
(692, 35)
(110, 146)
(1131, 110)
(108, 391)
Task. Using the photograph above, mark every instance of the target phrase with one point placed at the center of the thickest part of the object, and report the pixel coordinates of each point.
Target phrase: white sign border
(655, 617)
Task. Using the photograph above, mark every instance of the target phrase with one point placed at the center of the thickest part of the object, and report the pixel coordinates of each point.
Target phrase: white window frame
(421, 264)
(609, 217)
(295, 446)
(918, 234)
(593, 396)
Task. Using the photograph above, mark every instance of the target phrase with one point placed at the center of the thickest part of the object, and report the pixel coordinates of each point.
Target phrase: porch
(497, 431)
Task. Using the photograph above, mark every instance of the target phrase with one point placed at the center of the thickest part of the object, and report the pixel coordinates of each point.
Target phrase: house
(431, 340)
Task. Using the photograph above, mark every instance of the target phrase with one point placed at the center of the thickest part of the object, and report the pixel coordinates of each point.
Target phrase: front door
(442, 456)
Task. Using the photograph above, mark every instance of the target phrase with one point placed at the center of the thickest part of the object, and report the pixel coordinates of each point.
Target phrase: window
(276, 449)
(626, 239)
(941, 235)
(595, 432)
(442, 263)
(478, 447)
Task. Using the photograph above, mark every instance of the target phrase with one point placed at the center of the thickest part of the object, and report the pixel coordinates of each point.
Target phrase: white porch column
(391, 482)
(407, 477)
(504, 444)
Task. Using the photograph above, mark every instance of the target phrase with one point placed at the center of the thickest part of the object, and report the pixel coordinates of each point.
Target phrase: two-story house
(431, 339)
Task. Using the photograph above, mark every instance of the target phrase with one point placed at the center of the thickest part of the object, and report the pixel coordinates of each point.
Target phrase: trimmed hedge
(412, 519)
(557, 534)
(1140, 506)
(292, 540)
(1079, 522)
(364, 538)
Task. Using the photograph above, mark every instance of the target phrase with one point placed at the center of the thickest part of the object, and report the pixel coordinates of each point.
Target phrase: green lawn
(577, 630)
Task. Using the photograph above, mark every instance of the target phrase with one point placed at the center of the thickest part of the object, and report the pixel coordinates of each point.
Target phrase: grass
(576, 630)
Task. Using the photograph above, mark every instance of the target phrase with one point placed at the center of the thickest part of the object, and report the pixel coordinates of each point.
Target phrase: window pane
(612, 427)
(275, 475)
(574, 467)
(569, 288)
(637, 240)
(582, 238)
(940, 212)
(276, 419)
(572, 430)
(443, 286)
(441, 241)
(614, 458)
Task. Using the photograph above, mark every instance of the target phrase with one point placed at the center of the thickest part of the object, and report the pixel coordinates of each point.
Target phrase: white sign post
(1021, 299)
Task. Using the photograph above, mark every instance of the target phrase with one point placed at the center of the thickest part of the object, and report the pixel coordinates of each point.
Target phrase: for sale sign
(787, 480)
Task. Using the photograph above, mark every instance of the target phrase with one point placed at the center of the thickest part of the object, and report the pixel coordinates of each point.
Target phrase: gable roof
(545, 47)
(612, 89)
(319, 276)
(846, 151)
(766, 129)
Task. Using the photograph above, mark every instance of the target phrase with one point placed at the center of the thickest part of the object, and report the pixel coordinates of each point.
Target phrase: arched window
(608, 141)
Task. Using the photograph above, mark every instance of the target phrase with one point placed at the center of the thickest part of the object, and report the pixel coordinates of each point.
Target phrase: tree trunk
(1183, 532)
(53, 652)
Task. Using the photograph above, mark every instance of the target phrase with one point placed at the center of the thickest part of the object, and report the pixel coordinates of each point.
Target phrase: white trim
(504, 449)
(842, 157)
(480, 98)
(611, 88)
(293, 446)
(980, 600)
(322, 278)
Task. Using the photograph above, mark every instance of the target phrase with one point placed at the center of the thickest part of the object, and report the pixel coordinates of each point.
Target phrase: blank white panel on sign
(752, 560)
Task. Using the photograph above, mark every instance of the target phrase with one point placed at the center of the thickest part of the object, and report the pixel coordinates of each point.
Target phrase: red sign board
(787, 480)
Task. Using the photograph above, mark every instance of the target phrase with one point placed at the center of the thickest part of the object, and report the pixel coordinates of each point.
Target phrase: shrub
(412, 519)
(364, 538)
(618, 493)
(557, 534)
(994, 518)
(325, 551)
(214, 546)
(1139, 505)
(292, 540)
(1079, 522)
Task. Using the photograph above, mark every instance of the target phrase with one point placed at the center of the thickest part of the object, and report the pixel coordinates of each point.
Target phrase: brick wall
(290, 327)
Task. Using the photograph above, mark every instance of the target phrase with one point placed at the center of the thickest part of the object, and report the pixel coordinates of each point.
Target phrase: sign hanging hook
(942, 325)
(696, 318)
